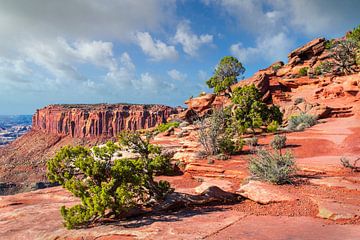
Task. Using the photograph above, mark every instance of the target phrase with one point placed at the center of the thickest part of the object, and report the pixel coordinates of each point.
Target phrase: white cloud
(81, 19)
(190, 41)
(61, 58)
(176, 75)
(122, 76)
(156, 49)
(270, 48)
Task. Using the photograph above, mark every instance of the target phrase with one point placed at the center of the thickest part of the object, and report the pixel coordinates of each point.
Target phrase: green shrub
(302, 121)
(276, 67)
(272, 167)
(354, 34)
(329, 44)
(165, 126)
(273, 126)
(303, 71)
(108, 187)
(249, 110)
(278, 142)
(324, 67)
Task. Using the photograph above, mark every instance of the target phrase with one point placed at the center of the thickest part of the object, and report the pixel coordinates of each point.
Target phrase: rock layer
(100, 120)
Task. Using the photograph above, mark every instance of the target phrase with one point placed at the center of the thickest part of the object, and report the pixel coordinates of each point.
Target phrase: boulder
(260, 80)
(264, 193)
(312, 48)
(202, 103)
(351, 84)
(316, 109)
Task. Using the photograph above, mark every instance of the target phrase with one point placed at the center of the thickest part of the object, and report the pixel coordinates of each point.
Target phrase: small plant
(302, 121)
(252, 143)
(166, 126)
(329, 44)
(354, 34)
(303, 71)
(346, 164)
(273, 126)
(278, 142)
(276, 67)
(274, 167)
(222, 156)
(323, 68)
(215, 133)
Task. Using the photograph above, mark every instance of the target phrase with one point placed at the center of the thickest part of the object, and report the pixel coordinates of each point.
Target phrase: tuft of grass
(302, 121)
(303, 71)
(273, 167)
(165, 126)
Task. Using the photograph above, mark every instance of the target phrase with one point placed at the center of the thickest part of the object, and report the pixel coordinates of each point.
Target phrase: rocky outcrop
(307, 52)
(99, 120)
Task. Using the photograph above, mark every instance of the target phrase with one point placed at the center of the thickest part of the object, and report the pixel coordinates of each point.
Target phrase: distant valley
(13, 126)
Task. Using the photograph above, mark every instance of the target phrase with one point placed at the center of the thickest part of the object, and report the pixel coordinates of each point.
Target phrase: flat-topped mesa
(98, 120)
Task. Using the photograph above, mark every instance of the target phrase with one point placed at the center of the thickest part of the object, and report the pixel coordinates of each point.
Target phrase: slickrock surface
(322, 204)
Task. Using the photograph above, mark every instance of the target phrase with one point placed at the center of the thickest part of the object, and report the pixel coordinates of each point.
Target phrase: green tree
(226, 74)
(249, 110)
(108, 187)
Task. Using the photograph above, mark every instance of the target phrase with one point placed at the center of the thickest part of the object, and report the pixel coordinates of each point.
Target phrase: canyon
(322, 203)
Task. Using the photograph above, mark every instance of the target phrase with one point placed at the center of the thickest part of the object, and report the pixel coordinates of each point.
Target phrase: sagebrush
(272, 167)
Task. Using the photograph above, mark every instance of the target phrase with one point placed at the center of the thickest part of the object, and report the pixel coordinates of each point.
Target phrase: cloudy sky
(146, 51)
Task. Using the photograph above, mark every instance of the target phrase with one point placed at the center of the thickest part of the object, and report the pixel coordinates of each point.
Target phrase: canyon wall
(98, 120)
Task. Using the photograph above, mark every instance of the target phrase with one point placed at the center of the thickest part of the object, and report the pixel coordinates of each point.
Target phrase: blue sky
(149, 51)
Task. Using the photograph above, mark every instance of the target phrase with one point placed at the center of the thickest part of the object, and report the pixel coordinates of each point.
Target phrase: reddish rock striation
(100, 120)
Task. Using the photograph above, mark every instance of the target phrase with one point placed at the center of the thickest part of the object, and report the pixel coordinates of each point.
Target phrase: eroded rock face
(100, 120)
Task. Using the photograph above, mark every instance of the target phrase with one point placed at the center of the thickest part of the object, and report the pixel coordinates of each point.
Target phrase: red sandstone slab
(286, 228)
(264, 193)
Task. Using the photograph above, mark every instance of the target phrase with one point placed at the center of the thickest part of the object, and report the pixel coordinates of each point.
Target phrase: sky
(147, 51)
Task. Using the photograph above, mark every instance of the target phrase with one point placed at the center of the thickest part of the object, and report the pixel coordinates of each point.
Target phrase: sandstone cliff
(100, 120)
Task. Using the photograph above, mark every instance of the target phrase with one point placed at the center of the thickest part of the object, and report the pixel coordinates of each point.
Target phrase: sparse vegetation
(303, 71)
(323, 68)
(344, 53)
(166, 126)
(276, 67)
(354, 35)
(109, 187)
(273, 167)
(329, 44)
(345, 162)
(300, 122)
(278, 142)
(252, 143)
(226, 74)
(273, 126)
